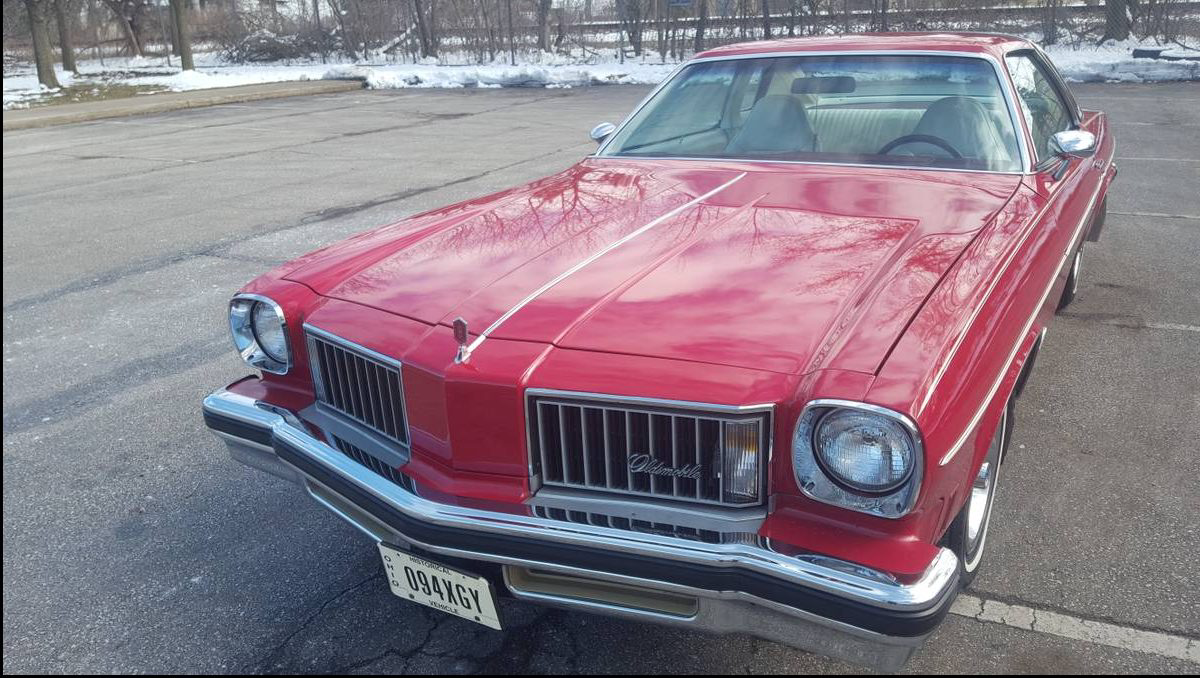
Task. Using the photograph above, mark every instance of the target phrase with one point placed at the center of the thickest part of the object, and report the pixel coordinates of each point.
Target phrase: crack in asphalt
(272, 657)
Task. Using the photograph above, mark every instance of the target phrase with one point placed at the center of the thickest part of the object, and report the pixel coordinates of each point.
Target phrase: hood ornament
(461, 336)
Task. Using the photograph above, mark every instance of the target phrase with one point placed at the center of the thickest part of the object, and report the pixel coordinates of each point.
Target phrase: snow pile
(1114, 62)
(227, 76)
(22, 89)
(498, 75)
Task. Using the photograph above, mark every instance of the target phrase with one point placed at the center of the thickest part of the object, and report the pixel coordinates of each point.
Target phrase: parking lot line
(1075, 628)
(1174, 326)
(1135, 158)
(1156, 215)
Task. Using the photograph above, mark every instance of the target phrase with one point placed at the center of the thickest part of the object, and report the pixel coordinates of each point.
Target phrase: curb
(66, 114)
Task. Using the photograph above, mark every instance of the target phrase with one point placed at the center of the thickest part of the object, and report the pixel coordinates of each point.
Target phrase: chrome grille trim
(375, 465)
(360, 384)
(584, 441)
(648, 526)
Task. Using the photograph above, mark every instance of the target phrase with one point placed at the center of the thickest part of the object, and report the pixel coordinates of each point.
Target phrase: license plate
(442, 588)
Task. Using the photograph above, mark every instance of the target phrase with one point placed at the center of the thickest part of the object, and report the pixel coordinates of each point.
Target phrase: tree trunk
(424, 30)
(1050, 22)
(66, 46)
(543, 19)
(316, 10)
(701, 23)
(131, 36)
(491, 30)
(561, 36)
(630, 14)
(660, 25)
(434, 40)
(1118, 15)
(40, 32)
(182, 39)
(512, 40)
(766, 19)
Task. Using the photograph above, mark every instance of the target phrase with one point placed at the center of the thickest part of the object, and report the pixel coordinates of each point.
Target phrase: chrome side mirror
(600, 132)
(1074, 142)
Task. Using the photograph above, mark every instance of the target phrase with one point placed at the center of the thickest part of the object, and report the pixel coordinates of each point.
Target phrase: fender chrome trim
(1021, 339)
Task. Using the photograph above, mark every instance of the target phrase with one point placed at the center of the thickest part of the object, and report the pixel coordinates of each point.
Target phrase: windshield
(932, 111)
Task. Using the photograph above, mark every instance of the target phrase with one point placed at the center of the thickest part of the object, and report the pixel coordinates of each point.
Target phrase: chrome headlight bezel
(245, 339)
(817, 483)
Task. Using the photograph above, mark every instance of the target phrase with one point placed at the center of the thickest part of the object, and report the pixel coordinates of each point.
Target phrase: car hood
(770, 266)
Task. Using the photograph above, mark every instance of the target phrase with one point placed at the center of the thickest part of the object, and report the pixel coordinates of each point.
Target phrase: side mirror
(600, 132)
(1074, 142)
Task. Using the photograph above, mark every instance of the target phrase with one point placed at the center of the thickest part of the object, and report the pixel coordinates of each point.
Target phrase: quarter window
(1045, 112)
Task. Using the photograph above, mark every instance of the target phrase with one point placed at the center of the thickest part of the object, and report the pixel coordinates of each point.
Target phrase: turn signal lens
(741, 476)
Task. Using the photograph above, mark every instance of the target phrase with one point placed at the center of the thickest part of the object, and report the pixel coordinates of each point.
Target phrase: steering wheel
(923, 139)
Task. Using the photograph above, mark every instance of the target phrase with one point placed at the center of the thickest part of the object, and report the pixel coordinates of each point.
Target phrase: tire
(967, 535)
(1098, 221)
(1072, 287)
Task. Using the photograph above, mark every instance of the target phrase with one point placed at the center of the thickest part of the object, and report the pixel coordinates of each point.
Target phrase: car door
(1069, 187)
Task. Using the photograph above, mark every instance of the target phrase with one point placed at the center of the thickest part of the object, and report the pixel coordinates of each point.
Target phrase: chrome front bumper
(807, 601)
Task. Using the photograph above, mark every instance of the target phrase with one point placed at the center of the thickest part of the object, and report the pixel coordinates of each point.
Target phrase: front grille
(359, 384)
(378, 467)
(701, 454)
(646, 526)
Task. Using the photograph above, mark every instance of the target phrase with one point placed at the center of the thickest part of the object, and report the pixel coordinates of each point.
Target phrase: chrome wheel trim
(977, 504)
(980, 502)
(1076, 266)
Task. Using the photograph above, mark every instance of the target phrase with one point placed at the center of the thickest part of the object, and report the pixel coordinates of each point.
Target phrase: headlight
(260, 333)
(867, 452)
(858, 456)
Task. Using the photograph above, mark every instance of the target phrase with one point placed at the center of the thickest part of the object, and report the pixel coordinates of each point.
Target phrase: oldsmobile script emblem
(644, 463)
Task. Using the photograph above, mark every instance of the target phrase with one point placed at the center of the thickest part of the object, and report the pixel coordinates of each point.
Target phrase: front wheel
(968, 533)
(1072, 287)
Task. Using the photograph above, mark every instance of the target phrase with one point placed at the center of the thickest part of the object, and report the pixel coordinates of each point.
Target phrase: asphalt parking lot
(132, 543)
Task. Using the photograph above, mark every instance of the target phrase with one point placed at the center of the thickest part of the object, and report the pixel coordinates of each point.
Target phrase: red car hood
(771, 268)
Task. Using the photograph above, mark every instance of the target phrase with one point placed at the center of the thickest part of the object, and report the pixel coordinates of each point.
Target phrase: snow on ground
(1090, 63)
(1114, 62)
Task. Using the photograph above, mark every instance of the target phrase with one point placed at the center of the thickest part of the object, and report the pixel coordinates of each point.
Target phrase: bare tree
(426, 33)
(182, 41)
(1118, 18)
(39, 30)
(63, 14)
(542, 9)
(631, 14)
(512, 44)
(1050, 21)
(701, 24)
(766, 19)
(128, 14)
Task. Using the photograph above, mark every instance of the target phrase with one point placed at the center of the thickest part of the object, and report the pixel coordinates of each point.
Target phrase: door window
(1045, 112)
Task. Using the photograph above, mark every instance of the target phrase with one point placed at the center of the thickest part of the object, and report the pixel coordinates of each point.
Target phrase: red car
(749, 367)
